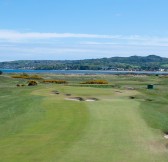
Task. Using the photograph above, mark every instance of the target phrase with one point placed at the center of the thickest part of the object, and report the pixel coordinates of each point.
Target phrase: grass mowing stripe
(59, 126)
(117, 133)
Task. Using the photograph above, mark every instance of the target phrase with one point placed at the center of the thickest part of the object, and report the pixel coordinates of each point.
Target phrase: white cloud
(77, 52)
(29, 37)
(24, 45)
(14, 35)
(97, 43)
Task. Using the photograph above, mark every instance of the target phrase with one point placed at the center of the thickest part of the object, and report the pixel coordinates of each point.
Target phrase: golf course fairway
(37, 125)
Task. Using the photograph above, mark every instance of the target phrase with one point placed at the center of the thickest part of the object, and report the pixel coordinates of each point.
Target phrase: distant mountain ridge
(133, 63)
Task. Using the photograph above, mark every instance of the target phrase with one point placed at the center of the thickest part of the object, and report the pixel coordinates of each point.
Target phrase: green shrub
(32, 83)
(20, 85)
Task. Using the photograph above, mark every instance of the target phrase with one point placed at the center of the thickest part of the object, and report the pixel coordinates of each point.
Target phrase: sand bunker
(118, 91)
(166, 136)
(67, 94)
(75, 99)
(55, 92)
(91, 99)
(130, 88)
(81, 99)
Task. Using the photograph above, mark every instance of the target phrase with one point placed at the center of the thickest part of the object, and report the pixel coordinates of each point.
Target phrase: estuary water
(84, 72)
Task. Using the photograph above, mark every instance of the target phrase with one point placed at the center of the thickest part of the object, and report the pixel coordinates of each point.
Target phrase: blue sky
(82, 29)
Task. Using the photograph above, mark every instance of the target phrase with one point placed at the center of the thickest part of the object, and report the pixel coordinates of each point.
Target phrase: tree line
(148, 63)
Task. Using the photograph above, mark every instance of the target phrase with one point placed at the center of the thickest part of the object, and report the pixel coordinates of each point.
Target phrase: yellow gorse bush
(55, 81)
(26, 76)
(95, 82)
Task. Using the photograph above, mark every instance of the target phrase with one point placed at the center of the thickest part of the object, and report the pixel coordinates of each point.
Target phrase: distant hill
(148, 63)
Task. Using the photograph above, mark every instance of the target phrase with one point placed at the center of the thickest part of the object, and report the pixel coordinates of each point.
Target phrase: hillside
(148, 63)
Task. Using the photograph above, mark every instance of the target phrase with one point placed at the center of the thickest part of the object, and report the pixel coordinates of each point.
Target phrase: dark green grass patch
(156, 115)
(37, 127)
(154, 108)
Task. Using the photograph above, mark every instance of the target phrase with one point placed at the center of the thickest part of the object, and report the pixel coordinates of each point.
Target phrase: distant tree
(83, 67)
(1, 72)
